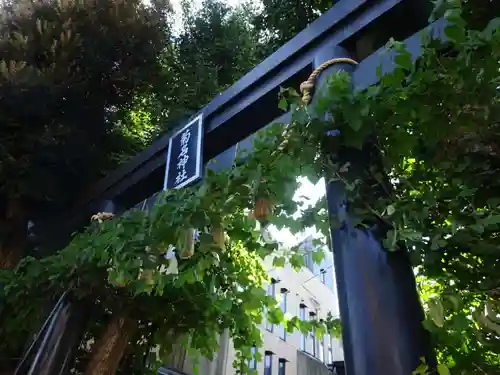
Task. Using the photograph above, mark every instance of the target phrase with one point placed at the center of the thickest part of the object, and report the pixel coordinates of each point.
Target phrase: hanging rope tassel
(307, 87)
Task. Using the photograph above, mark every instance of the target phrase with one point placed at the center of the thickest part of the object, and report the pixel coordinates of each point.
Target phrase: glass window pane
(253, 362)
(282, 367)
(312, 335)
(283, 310)
(271, 291)
(302, 316)
(323, 276)
(269, 326)
(283, 302)
(282, 332)
(268, 364)
(268, 360)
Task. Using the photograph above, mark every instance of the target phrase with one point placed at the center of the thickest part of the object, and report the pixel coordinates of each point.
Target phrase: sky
(313, 193)
(176, 4)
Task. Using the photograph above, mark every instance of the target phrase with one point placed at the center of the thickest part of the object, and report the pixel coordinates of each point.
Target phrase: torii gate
(379, 306)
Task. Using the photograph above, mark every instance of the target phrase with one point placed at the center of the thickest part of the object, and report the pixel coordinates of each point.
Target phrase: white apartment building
(308, 294)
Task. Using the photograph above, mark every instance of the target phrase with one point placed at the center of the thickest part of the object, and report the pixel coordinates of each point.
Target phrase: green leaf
(279, 262)
(422, 369)
(319, 331)
(493, 202)
(453, 14)
(467, 192)
(318, 256)
(491, 220)
(283, 104)
(436, 311)
(492, 28)
(297, 261)
(455, 301)
(275, 316)
(258, 293)
(479, 228)
(390, 241)
(409, 234)
(435, 242)
(428, 324)
(403, 60)
(454, 33)
(304, 326)
(443, 369)
(355, 123)
(365, 110)
(225, 305)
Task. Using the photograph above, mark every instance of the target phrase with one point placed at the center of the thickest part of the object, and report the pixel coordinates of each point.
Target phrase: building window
(312, 335)
(271, 288)
(321, 350)
(322, 276)
(284, 293)
(313, 343)
(282, 366)
(271, 292)
(252, 364)
(268, 363)
(308, 261)
(302, 316)
(330, 352)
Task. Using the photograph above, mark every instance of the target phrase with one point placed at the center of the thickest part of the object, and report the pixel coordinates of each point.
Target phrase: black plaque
(184, 158)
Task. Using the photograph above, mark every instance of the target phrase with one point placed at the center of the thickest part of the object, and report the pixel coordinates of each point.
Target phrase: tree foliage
(67, 82)
(65, 68)
(213, 49)
(278, 21)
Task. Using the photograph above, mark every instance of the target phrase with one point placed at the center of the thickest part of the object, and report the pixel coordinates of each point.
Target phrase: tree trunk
(108, 351)
(13, 233)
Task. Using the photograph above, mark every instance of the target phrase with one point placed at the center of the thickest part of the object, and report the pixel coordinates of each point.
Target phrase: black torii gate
(380, 310)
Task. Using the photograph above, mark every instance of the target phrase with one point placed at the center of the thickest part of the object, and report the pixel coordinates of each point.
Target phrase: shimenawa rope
(307, 87)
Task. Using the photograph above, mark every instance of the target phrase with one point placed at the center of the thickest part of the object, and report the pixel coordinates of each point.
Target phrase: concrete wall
(181, 361)
(307, 365)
